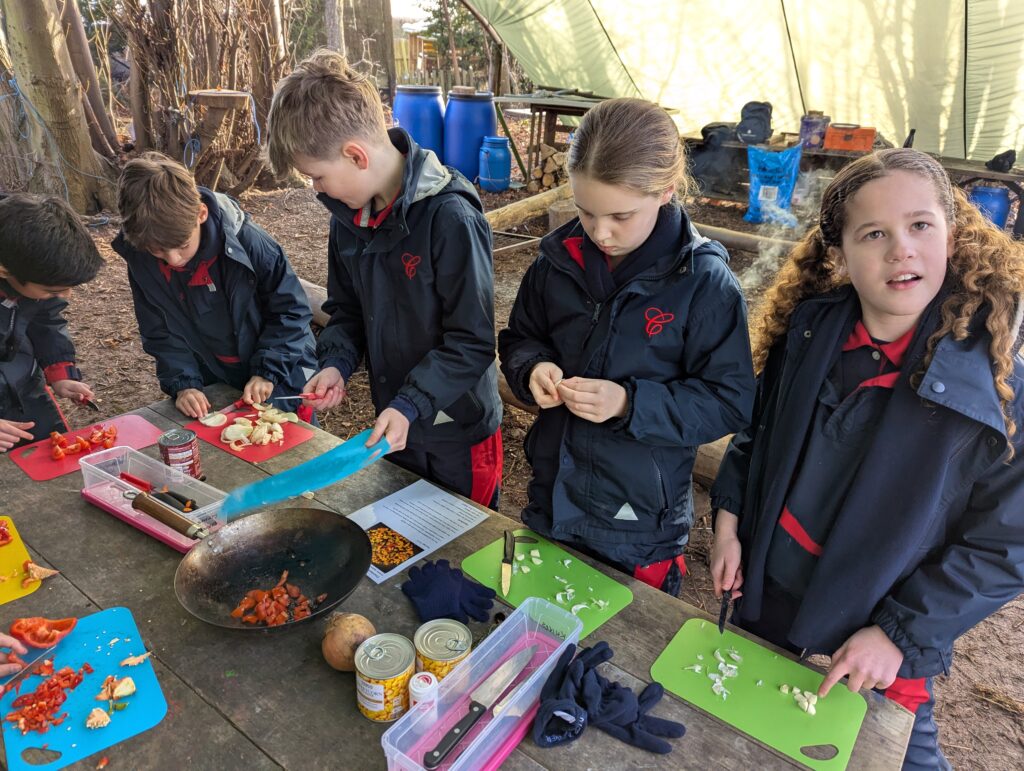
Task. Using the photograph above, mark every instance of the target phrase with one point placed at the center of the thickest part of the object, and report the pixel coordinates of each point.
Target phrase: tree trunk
(14, 166)
(334, 21)
(47, 78)
(138, 86)
(369, 39)
(453, 54)
(81, 59)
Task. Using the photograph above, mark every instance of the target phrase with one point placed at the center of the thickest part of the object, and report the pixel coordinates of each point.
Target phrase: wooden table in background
(242, 700)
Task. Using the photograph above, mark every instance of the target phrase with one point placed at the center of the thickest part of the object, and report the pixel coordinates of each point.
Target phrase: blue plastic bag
(772, 179)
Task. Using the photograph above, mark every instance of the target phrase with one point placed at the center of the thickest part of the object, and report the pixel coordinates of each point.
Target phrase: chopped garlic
(525, 568)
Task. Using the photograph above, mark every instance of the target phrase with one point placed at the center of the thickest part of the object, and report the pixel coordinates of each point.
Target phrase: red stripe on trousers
(486, 464)
(909, 694)
(796, 531)
(656, 573)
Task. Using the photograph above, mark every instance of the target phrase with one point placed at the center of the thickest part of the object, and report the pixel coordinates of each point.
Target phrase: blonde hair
(321, 105)
(630, 143)
(987, 268)
(158, 201)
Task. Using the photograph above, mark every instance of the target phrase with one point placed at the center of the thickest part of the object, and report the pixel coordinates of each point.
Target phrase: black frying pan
(323, 552)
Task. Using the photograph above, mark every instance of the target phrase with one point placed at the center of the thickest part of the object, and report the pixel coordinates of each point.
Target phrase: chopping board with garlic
(762, 693)
(255, 433)
(119, 698)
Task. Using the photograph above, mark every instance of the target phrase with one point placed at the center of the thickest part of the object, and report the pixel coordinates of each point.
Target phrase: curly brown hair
(986, 265)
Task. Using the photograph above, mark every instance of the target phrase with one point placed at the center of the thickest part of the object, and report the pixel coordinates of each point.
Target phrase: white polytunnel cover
(953, 70)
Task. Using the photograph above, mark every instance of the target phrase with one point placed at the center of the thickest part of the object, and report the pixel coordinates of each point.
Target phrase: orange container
(849, 136)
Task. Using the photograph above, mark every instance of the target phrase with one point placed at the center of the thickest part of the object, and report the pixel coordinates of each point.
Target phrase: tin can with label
(384, 664)
(440, 645)
(179, 449)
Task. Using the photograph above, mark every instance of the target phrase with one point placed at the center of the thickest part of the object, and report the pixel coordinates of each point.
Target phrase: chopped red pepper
(42, 632)
(5, 533)
(37, 711)
(57, 453)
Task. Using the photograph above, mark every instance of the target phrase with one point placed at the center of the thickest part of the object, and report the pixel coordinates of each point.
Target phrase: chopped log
(518, 212)
(533, 187)
(546, 151)
(548, 180)
(537, 173)
(550, 167)
(561, 212)
(559, 158)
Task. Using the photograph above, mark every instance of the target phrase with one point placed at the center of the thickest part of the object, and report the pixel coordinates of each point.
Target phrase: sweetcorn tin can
(440, 645)
(384, 664)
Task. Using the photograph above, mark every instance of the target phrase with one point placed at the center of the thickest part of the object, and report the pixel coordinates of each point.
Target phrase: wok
(323, 552)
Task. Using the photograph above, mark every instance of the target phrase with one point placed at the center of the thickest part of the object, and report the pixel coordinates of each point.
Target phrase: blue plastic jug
(495, 164)
(993, 202)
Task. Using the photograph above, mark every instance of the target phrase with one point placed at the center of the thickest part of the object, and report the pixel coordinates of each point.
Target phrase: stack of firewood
(550, 172)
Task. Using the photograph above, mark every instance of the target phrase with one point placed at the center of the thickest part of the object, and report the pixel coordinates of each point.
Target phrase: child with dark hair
(44, 251)
(873, 509)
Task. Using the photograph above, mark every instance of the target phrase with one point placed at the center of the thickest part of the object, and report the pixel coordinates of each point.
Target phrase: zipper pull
(597, 312)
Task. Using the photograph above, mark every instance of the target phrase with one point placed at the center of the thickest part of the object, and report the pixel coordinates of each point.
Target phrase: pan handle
(164, 514)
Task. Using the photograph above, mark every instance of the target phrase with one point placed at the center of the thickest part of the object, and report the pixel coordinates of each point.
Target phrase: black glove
(440, 591)
(559, 718)
(625, 717)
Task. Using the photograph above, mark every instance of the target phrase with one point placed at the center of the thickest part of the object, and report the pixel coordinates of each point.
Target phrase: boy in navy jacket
(215, 296)
(44, 251)
(410, 281)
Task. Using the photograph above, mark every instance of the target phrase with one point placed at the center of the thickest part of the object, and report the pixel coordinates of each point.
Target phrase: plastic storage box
(103, 487)
(535, 622)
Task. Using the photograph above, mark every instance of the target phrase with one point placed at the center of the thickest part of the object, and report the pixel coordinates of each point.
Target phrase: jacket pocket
(466, 410)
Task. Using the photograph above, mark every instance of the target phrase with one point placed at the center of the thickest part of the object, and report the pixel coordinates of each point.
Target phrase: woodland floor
(980, 703)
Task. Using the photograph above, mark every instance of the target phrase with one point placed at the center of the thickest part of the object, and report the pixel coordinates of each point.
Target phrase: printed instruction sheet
(410, 524)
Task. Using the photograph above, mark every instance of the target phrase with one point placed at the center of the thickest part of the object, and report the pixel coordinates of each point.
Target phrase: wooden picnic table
(257, 700)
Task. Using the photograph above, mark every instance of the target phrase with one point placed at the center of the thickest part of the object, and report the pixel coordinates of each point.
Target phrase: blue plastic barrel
(467, 120)
(495, 164)
(993, 202)
(420, 111)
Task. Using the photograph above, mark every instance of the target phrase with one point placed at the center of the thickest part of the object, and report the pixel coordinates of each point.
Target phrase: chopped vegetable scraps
(5, 533)
(37, 711)
(134, 661)
(34, 572)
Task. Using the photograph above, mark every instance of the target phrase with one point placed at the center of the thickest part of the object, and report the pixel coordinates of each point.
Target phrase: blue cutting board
(89, 642)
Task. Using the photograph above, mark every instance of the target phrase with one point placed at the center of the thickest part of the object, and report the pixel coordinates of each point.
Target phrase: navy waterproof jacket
(930, 539)
(269, 310)
(33, 341)
(675, 336)
(414, 296)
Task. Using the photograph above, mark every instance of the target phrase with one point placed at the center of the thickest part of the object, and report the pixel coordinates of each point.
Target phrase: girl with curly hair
(874, 509)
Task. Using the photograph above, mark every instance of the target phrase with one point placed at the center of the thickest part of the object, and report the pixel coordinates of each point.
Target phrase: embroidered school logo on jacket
(410, 261)
(656, 321)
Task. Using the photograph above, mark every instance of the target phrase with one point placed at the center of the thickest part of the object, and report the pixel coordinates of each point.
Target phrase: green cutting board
(762, 711)
(485, 566)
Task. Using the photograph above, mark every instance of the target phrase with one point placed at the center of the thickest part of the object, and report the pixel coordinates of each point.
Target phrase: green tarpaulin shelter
(952, 69)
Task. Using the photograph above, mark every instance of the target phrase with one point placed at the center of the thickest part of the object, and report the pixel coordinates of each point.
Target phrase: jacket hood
(553, 247)
(424, 176)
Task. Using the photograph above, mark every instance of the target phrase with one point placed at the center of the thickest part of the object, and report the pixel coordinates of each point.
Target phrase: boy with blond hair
(215, 297)
(410, 278)
(45, 250)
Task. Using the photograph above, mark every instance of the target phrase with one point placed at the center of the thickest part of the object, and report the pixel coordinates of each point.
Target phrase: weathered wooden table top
(266, 700)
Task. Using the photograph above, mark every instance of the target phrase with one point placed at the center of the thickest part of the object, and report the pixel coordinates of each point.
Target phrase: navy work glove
(439, 591)
(560, 719)
(625, 717)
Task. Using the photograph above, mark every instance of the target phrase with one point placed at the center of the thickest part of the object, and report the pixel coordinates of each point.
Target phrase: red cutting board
(34, 459)
(294, 434)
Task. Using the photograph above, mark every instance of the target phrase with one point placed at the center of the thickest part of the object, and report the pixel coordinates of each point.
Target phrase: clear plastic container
(103, 487)
(535, 622)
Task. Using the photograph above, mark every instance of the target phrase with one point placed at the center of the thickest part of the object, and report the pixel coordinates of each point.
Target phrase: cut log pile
(549, 172)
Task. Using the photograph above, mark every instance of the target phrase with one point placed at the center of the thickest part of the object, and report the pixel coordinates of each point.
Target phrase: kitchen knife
(26, 670)
(726, 599)
(333, 466)
(511, 539)
(480, 700)
(506, 562)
